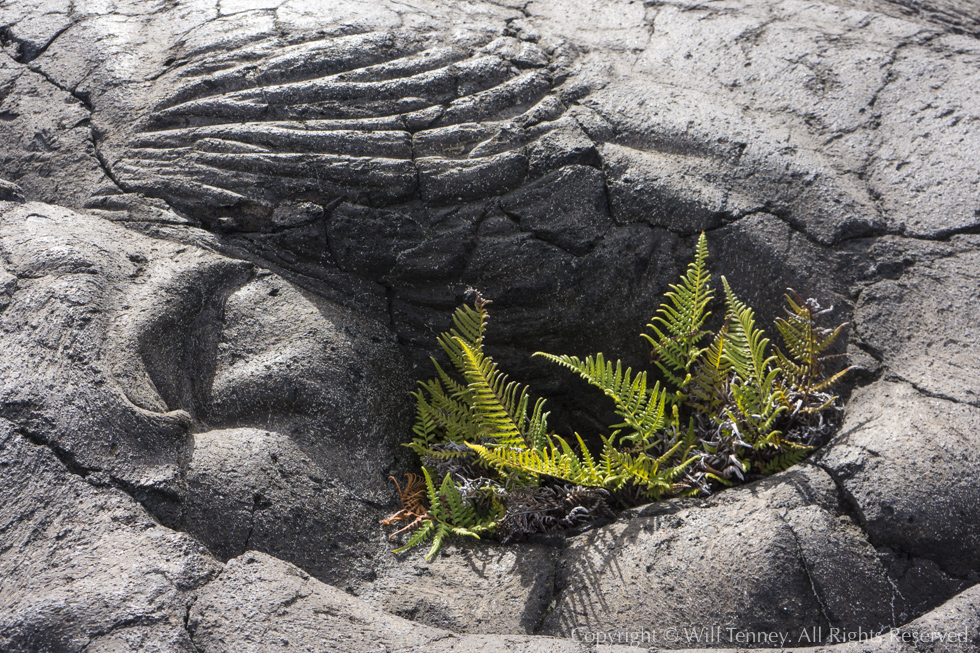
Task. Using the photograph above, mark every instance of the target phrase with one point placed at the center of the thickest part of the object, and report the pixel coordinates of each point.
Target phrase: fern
(753, 387)
(554, 460)
(440, 418)
(677, 325)
(413, 505)
(747, 411)
(641, 408)
(806, 343)
(653, 475)
(786, 460)
(484, 407)
(709, 387)
(449, 514)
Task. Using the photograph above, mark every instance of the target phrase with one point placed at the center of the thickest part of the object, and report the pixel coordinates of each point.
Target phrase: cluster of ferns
(726, 409)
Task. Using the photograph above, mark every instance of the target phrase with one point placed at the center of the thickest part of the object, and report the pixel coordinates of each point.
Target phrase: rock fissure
(188, 629)
(86, 104)
(390, 304)
(805, 564)
(896, 594)
(945, 235)
(847, 502)
(148, 497)
(100, 158)
(251, 529)
(736, 164)
(129, 622)
(28, 51)
(557, 586)
(853, 509)
(928, 393)
(65, 457)
(82, 99)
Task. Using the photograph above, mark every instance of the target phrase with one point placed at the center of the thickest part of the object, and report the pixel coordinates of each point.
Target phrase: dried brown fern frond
(413, 508)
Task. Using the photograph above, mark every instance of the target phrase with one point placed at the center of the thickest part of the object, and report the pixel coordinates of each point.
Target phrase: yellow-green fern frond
(498, 405)
(655, 476)
(677, 325)
(806, 344)
(828, 382)
(786, 460)
(449, 514)
(641, 408)
(419, 535)
(482, 407)
(753, 387)
(708, 390)
(556, 460)
(470, 325)
(441, 418)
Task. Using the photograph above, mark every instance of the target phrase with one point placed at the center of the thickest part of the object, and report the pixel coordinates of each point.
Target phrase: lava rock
(274, 207)
(893, 460)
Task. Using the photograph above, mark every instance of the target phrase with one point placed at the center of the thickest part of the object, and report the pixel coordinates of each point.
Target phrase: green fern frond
(419, 535)
(644, 472)
(470, 326)
(786, 460)
(554, 460)
(588, 463)
(707, 392)
(440, 535)
(747, 353)
(536, 433)
(499, 406)
(483, 407)
(654, 475)
(449, 514)
(607, 463)
(768, 438)
(753, 387)
(806, 344)
(425, 453)
(440, 417)
(726, 482)
(435, 502)
(790, 367)
(826, 383)
(829, 339)
(677, 325)
(797, 331)
(689, 441)
(641, 408)
(425, 428)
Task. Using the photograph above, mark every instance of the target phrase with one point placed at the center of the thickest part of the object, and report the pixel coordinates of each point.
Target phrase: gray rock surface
(893, 461)
(259, 603)
(47, 134)
(84, 567)
(257, 490)
(778, 556)
(228, 402)
(478, 588)
(924, 324)
(230, 229)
